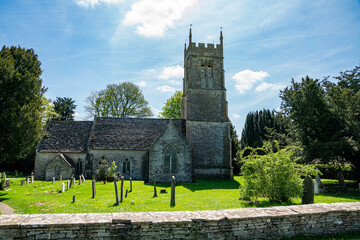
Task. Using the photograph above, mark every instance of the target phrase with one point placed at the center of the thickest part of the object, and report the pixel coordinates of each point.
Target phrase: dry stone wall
(260, 223)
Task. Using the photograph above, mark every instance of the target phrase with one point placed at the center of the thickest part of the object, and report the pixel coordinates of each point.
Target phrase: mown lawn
(43, 197)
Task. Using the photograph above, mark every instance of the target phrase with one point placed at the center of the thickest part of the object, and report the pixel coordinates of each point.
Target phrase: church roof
(66, 136)
(105, 133)
(130, 133)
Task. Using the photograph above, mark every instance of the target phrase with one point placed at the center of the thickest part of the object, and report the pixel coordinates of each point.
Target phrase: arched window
(202, 76)
(79, 167)
(126, 166)
(170, 158)
(209, 75)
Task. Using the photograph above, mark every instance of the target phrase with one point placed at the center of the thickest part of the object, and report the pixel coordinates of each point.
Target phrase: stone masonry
(249, 223)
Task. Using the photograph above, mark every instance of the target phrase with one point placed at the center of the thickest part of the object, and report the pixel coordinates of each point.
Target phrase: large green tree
(65, 108)
(118, 100)
(48, 111)
(21, 93)
(172, 107)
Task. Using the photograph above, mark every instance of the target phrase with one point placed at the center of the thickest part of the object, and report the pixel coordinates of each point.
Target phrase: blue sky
(85, 45)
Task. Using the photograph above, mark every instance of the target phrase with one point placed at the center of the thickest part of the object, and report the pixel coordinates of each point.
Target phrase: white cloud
(235, 115)
(142, 84)
(154, 17)
(246, 79)
(210, 37)
(172, 72)
(92, 3)
(174, 82)
(165, 88)
(155, 111)
(272, 86)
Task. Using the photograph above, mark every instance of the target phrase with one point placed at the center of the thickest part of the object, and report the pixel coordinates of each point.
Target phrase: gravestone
(308, 196)
(132, 202)
(116, 192)
(73, 181)
(53, 180)
(22, 182)
(27, 180)
(316, 188)
(32, 178)
(126, 193)
(341, 179)
(318, 180)
(122, 189)
(93, 187)
(163, 191)
(155, 193)
(73, 198)
(68, 185)
(172, 200)
(130, 184)
(83, 177)
(80, 180)
(60, 177)
(63, 187)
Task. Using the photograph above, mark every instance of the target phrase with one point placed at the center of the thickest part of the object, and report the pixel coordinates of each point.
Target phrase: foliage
(274, 175)
(326, 117)
(118, 100)
(330, 170)
(103, 171)
(48, 111)
(65, 108)
(172, 107)
(111, 171)
(20, 102)
(2, 180)
(235, 147)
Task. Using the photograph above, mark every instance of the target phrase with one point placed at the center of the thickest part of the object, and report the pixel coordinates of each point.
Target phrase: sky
(84, 45)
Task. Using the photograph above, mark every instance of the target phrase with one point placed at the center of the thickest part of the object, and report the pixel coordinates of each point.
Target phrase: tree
(20, 102)
(235, 148)
(48, 110)
(118, 100)
(172, 107)
(65, 108)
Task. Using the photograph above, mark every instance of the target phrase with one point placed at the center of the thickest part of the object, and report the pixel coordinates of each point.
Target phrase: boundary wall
(248, 223)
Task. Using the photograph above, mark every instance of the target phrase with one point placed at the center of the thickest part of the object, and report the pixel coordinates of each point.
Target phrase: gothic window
(126, 166)
(202, 76)
(170, 158)
(79, 167)
(209, 75)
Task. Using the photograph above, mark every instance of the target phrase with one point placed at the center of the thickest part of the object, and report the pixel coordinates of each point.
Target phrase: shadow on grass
(203, 184)
(3, 198)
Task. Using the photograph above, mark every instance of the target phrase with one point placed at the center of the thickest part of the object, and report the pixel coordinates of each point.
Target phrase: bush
(111, 171)
(2, 181)
(330, 171)
(103, 171)
(273, 173)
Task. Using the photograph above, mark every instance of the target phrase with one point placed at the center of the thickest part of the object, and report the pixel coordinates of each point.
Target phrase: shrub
(103, 171)
(273, 173)
(111, 171)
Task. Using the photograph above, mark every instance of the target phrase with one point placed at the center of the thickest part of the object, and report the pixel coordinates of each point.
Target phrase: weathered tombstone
(27, 180)
(73, 181)
(116, 192)
(93, 187)
(163, 190)
(63, 187)
(73, 198)
(122, 189)
(318, 180)
(32, 178)
(316, 188)
(22, 182)
(60, 178)
(53, 180)
(80, 180)
(68, 185)
(126, 193)
(155, 193)
(172, 200)
(308, 196)
(83, 177)
(341, 178)
(130, 184)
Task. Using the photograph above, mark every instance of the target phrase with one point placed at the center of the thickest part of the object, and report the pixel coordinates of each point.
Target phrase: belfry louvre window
(170, 158)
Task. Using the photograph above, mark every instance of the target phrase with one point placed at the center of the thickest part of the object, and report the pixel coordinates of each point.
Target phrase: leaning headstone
(68, 185)
(22, 182)
(80, 180)
(155, 193)
(93, 187)
(308, 196)
(341, 179)
(130, 185)
(116, 192)
(63, 187)
(316, 188)
(318, 180)
(53, 180)
(27, 180)
(172, 200)
(60, 178)
(83, 177)
(122, 189)
(126, 193)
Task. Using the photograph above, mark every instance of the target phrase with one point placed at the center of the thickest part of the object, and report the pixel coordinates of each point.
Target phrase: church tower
(205, 110)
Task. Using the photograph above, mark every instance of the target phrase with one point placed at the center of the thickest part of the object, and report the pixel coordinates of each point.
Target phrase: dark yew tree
(65, 108)
(21, 108)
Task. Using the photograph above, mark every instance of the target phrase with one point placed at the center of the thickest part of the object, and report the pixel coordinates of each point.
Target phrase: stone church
(196, 146)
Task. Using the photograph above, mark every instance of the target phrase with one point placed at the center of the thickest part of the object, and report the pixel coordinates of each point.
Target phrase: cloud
(155, 111)
(272, 86)
(154, 17)
(92, 3)
(142, 84)
(174, 82)
(165, 88)
(172, 72)
(246, 79)
(235, 115)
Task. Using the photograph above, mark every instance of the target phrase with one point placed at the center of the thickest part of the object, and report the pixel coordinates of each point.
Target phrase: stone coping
(61, 220)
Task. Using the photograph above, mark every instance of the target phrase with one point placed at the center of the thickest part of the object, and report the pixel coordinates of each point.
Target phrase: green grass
(43, 197)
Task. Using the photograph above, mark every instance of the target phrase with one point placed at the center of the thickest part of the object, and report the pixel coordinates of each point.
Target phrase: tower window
(126, 166)
(209, 75)
(203, 81)
(170, 158)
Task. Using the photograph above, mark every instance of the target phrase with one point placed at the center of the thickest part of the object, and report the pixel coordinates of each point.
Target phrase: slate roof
(66, 136)
(107, 133)
(130, 133)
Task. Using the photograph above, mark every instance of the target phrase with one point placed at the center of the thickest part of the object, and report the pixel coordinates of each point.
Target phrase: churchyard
(205, 194)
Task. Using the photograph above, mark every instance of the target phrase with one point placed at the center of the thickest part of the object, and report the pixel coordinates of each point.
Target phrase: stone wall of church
(43, 158)
(211, 148)
(139, 167)
(157, 166)
(58, 167)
